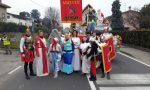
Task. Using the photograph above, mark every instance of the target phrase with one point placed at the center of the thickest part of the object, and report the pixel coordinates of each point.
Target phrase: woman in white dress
(85, 62)
(76, 56)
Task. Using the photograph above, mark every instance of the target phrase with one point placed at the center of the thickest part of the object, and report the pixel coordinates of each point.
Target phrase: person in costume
(117, 42)
(41, 55)
(55, 51)
(91, 54)
(76, 53)
(91, 20)
(68, 49)
(55, 34)
(93, 36)
(102, 40)
(105, 33)
(27, 53)
(85, 62)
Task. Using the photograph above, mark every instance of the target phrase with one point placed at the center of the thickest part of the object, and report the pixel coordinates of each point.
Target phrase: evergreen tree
(145, 17)
(117, 22)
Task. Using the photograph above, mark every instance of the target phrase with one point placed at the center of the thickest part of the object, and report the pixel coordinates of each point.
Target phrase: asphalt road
(125, 73)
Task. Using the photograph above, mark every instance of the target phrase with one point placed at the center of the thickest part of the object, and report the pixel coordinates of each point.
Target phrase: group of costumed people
(66, 53)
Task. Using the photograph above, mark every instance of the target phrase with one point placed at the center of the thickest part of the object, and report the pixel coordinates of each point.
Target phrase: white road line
(125, 79)
(124, 88)
(91, 83)
(14, 70)
(134, 59)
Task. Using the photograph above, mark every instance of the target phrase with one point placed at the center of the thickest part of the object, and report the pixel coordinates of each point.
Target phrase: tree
(53, 16)
(24, 14)
(145, 17)
(35, 14)
(117, 22)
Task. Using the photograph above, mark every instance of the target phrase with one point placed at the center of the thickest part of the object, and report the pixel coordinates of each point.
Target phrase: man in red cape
(27, 53)
(41, 58)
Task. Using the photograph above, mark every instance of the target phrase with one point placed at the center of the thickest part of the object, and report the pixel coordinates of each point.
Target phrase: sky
(105, 5)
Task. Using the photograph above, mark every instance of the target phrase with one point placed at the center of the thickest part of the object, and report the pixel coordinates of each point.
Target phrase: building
(3, 11)
(18, 20)
(130, 20)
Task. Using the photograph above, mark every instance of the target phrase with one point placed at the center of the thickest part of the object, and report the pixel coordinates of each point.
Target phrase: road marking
(14, 70)
(134, 59)
(124, 88)
(122, 79)
(91, 83)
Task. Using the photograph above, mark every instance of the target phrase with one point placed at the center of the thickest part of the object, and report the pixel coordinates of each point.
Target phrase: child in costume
(55, 50)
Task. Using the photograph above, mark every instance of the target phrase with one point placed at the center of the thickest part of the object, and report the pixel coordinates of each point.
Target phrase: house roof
(129, 11)
(4, 5)
(88, 6)
(17, 16)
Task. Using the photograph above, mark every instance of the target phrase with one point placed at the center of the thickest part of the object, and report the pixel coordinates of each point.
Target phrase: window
(8, 17)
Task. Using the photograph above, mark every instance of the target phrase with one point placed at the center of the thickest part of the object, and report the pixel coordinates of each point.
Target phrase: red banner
(71, 11)
(112, 50)
(106, 58)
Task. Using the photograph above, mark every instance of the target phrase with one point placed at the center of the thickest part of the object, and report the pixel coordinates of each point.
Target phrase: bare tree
(53, 15)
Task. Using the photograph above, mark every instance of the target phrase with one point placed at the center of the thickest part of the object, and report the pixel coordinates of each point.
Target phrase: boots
(93, 78)
(103, 75)
(108, 76)
(27, 76)
(10, 52)
(26, 72)
(31, 69)
(55, 74)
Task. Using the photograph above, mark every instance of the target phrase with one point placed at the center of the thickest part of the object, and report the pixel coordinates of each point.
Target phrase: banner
(112, 50)
(71, 11)
(106, 57)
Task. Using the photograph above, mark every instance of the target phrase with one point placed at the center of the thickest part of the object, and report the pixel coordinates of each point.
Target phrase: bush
(137, 38)
(12, 27)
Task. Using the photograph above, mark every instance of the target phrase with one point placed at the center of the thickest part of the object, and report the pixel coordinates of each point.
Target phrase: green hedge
(12, 27)
(137, 38)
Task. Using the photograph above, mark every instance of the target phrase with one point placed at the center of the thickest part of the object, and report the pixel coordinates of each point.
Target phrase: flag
(112, 50)
(71, 11)
(106, 57)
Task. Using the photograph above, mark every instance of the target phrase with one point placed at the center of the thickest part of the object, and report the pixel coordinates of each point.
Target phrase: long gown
(67, 66)
(76, 57)
(85, 62)
(41, 61)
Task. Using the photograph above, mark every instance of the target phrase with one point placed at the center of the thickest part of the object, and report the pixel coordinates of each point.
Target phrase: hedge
(12, 27)
(136, 38)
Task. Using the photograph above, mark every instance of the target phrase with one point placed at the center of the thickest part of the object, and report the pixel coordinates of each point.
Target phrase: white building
(3, 11)
(16, 19)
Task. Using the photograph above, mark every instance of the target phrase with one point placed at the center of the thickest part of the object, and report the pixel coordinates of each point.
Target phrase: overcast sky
(105, 5)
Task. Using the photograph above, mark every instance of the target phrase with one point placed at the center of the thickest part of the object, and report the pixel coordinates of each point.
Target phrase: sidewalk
(141, 55)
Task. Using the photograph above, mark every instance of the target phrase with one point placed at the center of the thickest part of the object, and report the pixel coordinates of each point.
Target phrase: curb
(127, 54)
(137, 47)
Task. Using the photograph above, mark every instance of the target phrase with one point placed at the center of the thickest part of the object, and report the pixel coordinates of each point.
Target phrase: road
(127, 74)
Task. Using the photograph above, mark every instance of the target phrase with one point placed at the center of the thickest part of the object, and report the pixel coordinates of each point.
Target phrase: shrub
(137, 38)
